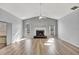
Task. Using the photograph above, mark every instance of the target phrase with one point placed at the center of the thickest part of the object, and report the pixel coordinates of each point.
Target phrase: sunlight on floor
(50, 41)
(18, 40)
(50, 45)
(28, 46)
(47, 43)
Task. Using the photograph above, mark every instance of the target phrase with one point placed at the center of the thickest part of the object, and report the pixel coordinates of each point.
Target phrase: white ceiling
(27, 10)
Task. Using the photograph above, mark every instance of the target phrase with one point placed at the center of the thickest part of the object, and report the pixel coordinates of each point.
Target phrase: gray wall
(16, 25)
(9, 33)
(68, 28)
(36, 23)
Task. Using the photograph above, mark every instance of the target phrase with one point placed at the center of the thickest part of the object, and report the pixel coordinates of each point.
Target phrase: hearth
(40, 34)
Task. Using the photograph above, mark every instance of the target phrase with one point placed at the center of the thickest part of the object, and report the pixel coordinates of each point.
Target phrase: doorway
(3, 34)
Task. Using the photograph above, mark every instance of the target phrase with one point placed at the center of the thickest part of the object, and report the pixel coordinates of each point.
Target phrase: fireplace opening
(40, 34)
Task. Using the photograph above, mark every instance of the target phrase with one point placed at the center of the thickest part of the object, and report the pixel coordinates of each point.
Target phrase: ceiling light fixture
(40, 16)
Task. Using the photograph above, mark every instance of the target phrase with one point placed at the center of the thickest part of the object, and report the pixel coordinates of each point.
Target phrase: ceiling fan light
(40, 17)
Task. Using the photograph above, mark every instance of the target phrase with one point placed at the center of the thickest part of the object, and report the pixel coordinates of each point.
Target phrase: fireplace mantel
(40, 28)
(40, 33)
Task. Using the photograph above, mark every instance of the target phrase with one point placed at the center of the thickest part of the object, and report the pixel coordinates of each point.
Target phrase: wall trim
(72, 43)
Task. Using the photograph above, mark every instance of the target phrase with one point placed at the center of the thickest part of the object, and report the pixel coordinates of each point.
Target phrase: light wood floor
(40, 47)
(2, 45)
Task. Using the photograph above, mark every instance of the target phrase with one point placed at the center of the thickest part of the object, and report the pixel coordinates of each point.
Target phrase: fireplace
(40, 34)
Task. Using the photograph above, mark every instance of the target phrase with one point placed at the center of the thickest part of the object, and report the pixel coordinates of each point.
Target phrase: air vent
(74, 7)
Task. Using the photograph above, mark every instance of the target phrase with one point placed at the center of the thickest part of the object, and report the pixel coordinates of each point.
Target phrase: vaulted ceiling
(28, 10)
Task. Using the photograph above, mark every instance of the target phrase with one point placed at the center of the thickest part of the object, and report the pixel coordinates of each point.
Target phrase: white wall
(68, 28)
(16, 24)
(35, 23)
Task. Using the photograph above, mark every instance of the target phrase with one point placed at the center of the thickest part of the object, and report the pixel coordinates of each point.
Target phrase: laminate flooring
(40, 46)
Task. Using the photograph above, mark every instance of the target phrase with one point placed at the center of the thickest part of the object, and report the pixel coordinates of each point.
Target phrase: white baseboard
(73, 43)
